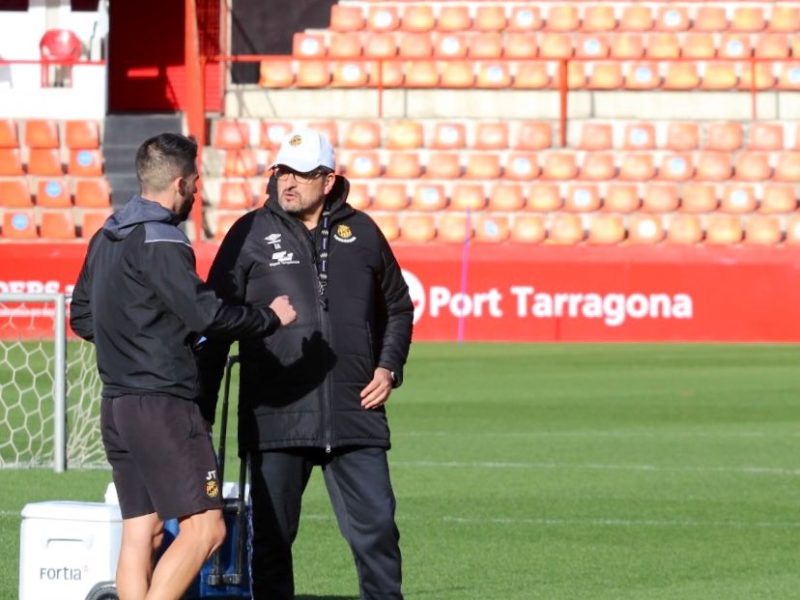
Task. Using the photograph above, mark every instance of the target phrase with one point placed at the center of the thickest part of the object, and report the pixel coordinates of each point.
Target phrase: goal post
(49, 387)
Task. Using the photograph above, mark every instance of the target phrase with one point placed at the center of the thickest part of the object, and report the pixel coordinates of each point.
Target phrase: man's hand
(284, 309)
(377, 391)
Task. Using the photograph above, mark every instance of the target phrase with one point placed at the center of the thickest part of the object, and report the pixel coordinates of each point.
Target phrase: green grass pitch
(561, 472)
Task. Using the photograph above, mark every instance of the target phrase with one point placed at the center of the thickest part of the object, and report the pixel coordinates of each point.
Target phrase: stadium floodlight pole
(59, 386)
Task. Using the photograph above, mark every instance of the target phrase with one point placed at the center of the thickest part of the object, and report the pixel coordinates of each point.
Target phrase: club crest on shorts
(344, 234)
(212, 486)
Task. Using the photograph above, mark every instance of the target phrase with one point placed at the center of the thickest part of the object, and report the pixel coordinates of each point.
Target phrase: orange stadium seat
(82, 134)
(530, 76)
(9, 137)
(606, 229)
(273, 132)
(738, 199)
(675, 167)
(672, 17)
(492, 135)
(454, 17)
(724, 229)
(772, 45)
(582, 198)
(46, 161)
(763, 230)
(778, 198)
(713, 166)
(455, 228)
(415, 45)
(789, 76)
(235, 195)
(15, 193)
(724, 137)
(563, 17)
(793, 230)
(449, 136)
(645, 229)
(710, 18)
(490, 17)
(493, 75)
(429, 197)
(491, 229)
(52, 193)
(482, 165)
(533, 135)
(566, 229)
(308, 45)
(380, 45)
(663, 45)
(599, 17)
(785, 18)
(719, 76)
(92, 192)
(506, 197)
(230, 134)
(344, 45)
(327, 128)
(735, 45)
(528, 229)
(752, 166)
(544, 197)
(621, 198)
(555, 45)
(660, 198)
(421, 74)
(19, 224)
(525, 18)
(92, 221)
(699, 46)
(788, 167)
(85, 163)
(766, 137)
(637, 166)
(681, 76)
(761, 79)
(467, 196)
(596, 136)
(276, 73)
(403, 165)
(349, 75)
(57, 225)
(748, 18)
(605, 76)
(41, 133)
(520, 45)
(347, 17)
(521, 166)
(363, 135)
(457, 74)
(418, 18)
(699, 198)
(358, 196)
(682, 136)
(241, 163)
(451, 45)
(389, 74)
(639, 136)
(559, 165)
(10, 162)
(405, 134)
(627, 45)
(685, 229)
(642, 76)
(636, 17)
(363, 164)
(383, 18)
(417, 228)
(443, 165)
(313, 74)
(598, 166)
(390, 196)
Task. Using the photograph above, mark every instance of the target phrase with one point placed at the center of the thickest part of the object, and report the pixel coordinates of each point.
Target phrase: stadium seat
(642, 76)
(599, 17)
(276, 73)
(598, 166)
(327, 128)
(347, 17)
(763, 230)
(563, 17)
(682, 136)
(525, 18)
(785, 18)
(591, 46)
(457, 74)
(453, 17)
(363, 135)
(449, 136)
(734, 45)
(421, 74)
(544, 197)
(85, 163)
(752, 166)
(772, 45)
(82, 134)
(645, 229)
(380, 45)
(492, 75)
(672, 17)
(418, 18)
(713, 166)
(15, 193)
(530, 76)
(57, 225)
(344, 45)
(363, 164)
(405, 134)
(483, 165)
(52, 193)
(685, 228)
(443, 165)
(491, 228)
(467, 197)
(429, 197)
(235, 195)
(272, 133)
(566, 229)
(766, 136)
(606, 229)
(92, 221)
(313, 74)
(788, 76)
(555, 45)
(788, 167)
(637, 166)
(681, 76)
(719, 76)
(19, 224)
(490, 17)
(636, 17)
(698, 46)
(663, 45)
(308, 45)
(417, 228)
(738, 199)
(10, 162)
(675, 167)
(596, 136)
(724, 137)
(520, 45)
(660, 198)
(559, 165)
(778, 198)
(41, 133)
(639, 136)
(349, 75)
(576, 76)
(46, 161)
(9, 137)
(241, 163)
(724, 229)
(710, 18)
(403, 165)
(627, 46)
(521, 166)
(748, 19)
(506, 197)
(762, 78)
(415, 46)
(533, 135)
(388, 224)
(492, 135)
(793, 230)
(621, 198)
(455, 228)
(229, 134)
(390, 197)
(699, 198)
(528, 229)
(582, 198)
(358, 196)
(93, 192)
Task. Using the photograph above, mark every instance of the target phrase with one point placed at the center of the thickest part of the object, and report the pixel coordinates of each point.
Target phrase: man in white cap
(314, 393)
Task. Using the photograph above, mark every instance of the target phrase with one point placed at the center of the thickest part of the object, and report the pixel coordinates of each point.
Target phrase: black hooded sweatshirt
(139, 299)
(301, 387)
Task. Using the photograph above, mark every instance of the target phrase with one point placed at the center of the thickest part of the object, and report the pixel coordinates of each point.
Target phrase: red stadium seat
(627, 45)
(752, 166)
(596, 136)
(636, 17)
(313, 74)
(450, 46)
(675, 167)
(229, 134)
(415, 45)
(785, 18)
(738, 199)
(713, 166)
(241, 163)
(639, 136)
(359, 197)
(308, 45)
(521, 166)
(682, 136)
(57, 225)
(93, 220)
(380, 45)
(788, 167)
(533, 135)
(46, 161)
(346, 17)
(637, 166)
(93, 192)
(41, 133)
(82, 134)
(52, 193)
(85, 163)
(454, 18)
(710, 18)
(724, 137)
(492, 135)
(273, 132)
(421, 74)
(599, 17)
(19, 224)
(699, 46)
(563, 17)
(559, 165)
(493, 75)
(672, 17)
(748, 19)
(15, 193)
(363, 135)
(598, 166)
(276, 73)
(660, 198)
(350, 75)
(363, 164)
(344, 45)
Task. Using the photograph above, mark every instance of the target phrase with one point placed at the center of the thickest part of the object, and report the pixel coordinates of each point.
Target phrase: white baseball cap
(304, 150)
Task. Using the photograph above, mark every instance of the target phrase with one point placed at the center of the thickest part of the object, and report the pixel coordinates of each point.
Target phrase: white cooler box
(66, 548)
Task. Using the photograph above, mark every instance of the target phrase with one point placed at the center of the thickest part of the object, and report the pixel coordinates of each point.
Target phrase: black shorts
(161, 456)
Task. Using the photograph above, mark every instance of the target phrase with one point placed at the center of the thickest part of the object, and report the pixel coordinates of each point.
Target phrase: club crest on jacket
(344, 234)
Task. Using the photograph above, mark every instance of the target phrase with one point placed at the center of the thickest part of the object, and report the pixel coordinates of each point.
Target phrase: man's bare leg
(198, 536)
(141, 536)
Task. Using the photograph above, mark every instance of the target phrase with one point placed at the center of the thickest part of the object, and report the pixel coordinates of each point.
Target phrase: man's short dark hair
(164, 157)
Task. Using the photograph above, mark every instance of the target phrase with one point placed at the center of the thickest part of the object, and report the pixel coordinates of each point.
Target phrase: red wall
(546, 293)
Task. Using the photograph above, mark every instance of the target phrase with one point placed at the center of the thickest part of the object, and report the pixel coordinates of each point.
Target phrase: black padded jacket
(301, 387)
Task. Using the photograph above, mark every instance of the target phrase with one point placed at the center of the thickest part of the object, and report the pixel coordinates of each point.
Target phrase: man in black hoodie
(139, 299)
(313, 394)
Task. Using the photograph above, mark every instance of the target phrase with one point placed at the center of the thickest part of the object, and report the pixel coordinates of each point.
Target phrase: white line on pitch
(593, 434)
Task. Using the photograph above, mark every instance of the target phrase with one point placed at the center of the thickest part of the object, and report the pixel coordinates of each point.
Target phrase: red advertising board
(547, 293)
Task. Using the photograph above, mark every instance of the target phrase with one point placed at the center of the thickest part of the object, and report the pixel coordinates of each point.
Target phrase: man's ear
(330, 179)
(179, 185)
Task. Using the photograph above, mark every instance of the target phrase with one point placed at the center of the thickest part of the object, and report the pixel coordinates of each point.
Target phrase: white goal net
(49, 388)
